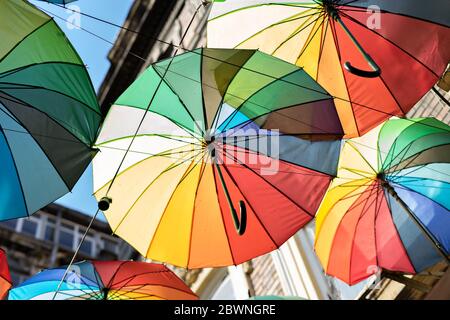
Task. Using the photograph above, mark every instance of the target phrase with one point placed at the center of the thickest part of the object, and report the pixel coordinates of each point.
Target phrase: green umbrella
(49, 115)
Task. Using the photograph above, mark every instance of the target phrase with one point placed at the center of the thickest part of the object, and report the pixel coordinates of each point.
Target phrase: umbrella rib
(242, 124)
(298, 30)
(221, 104)
(170, 167)
(251, 152)
(155, 66)
(90, 294)
(194, 210)
(324, 33)
(361, 155)
(249, 204)
(134, 276)
(397, 232)
(338, 51)
(394, 13)
(260, 5)
(292, 18)
(322, 15)
(436, 244)
(185, 175)
(222, 215)
(391, 42)
(230, 156)
(24, 104)
(363, 213)
(24, 38)
(16, 169)
(19, 86)
(162, 153)
(154, 95)
(169, 137)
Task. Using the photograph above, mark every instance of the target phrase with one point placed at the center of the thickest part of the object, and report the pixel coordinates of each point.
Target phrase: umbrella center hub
(210, 146)
(381, 177)
(330, 7)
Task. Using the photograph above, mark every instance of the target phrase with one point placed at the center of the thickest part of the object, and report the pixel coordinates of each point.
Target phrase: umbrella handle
(240, 224)
(376, 70)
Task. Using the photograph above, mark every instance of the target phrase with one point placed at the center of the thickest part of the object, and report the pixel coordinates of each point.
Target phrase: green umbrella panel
(49, 115)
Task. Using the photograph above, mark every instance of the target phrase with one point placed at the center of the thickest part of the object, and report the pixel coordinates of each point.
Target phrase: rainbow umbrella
(232, 157)
(49, 116)
(378, 58)
(105, 280)
(389, 205)
(5, 277)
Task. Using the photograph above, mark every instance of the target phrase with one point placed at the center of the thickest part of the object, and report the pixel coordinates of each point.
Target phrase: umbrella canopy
(105, 280)
(389, 205)
(5, 277)
(378, 58)
(49, 116)
(226, 130)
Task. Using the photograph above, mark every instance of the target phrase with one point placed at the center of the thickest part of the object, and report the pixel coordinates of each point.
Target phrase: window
(49, 234)
(87, 246)
(29, 226)
(11, 224)
(66, 238)
(109, 245)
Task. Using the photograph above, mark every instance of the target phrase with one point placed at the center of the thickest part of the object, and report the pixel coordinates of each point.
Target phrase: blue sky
(94, 53)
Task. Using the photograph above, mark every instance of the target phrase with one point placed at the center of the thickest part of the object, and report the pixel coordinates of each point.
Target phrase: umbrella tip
(104, 203)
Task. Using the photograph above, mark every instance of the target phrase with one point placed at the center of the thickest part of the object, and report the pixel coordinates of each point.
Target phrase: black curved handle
(375, 72)
(363, 73)
(240, 223)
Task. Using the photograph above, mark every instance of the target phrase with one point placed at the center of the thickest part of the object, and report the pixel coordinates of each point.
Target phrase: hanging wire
(214, 58)
(126, 153)
(154, 94)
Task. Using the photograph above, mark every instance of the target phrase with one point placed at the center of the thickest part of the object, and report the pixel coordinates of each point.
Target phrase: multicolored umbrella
(378, 58)
(49, 116)
(226, 129)
(5, 277)
(105, 280)
(389, 205)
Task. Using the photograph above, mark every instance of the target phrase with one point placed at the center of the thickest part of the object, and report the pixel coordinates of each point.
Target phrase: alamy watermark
(373, 22)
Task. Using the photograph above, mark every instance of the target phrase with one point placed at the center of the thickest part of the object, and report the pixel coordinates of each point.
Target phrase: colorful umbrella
(5, 277)
(389, 205)
(207, 145)
(377, 57)
(49, 116)
(105, 280)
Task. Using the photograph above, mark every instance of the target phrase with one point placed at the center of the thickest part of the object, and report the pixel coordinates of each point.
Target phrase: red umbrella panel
(5, 277)
(105, 280)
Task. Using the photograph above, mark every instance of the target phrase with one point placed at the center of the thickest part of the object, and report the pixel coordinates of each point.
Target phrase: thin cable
(75, 254)
(126, 153)
(242, 67)
(152, 98)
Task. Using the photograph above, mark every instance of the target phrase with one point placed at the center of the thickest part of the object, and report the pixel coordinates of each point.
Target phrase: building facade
(50, 237)
(153, 31)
